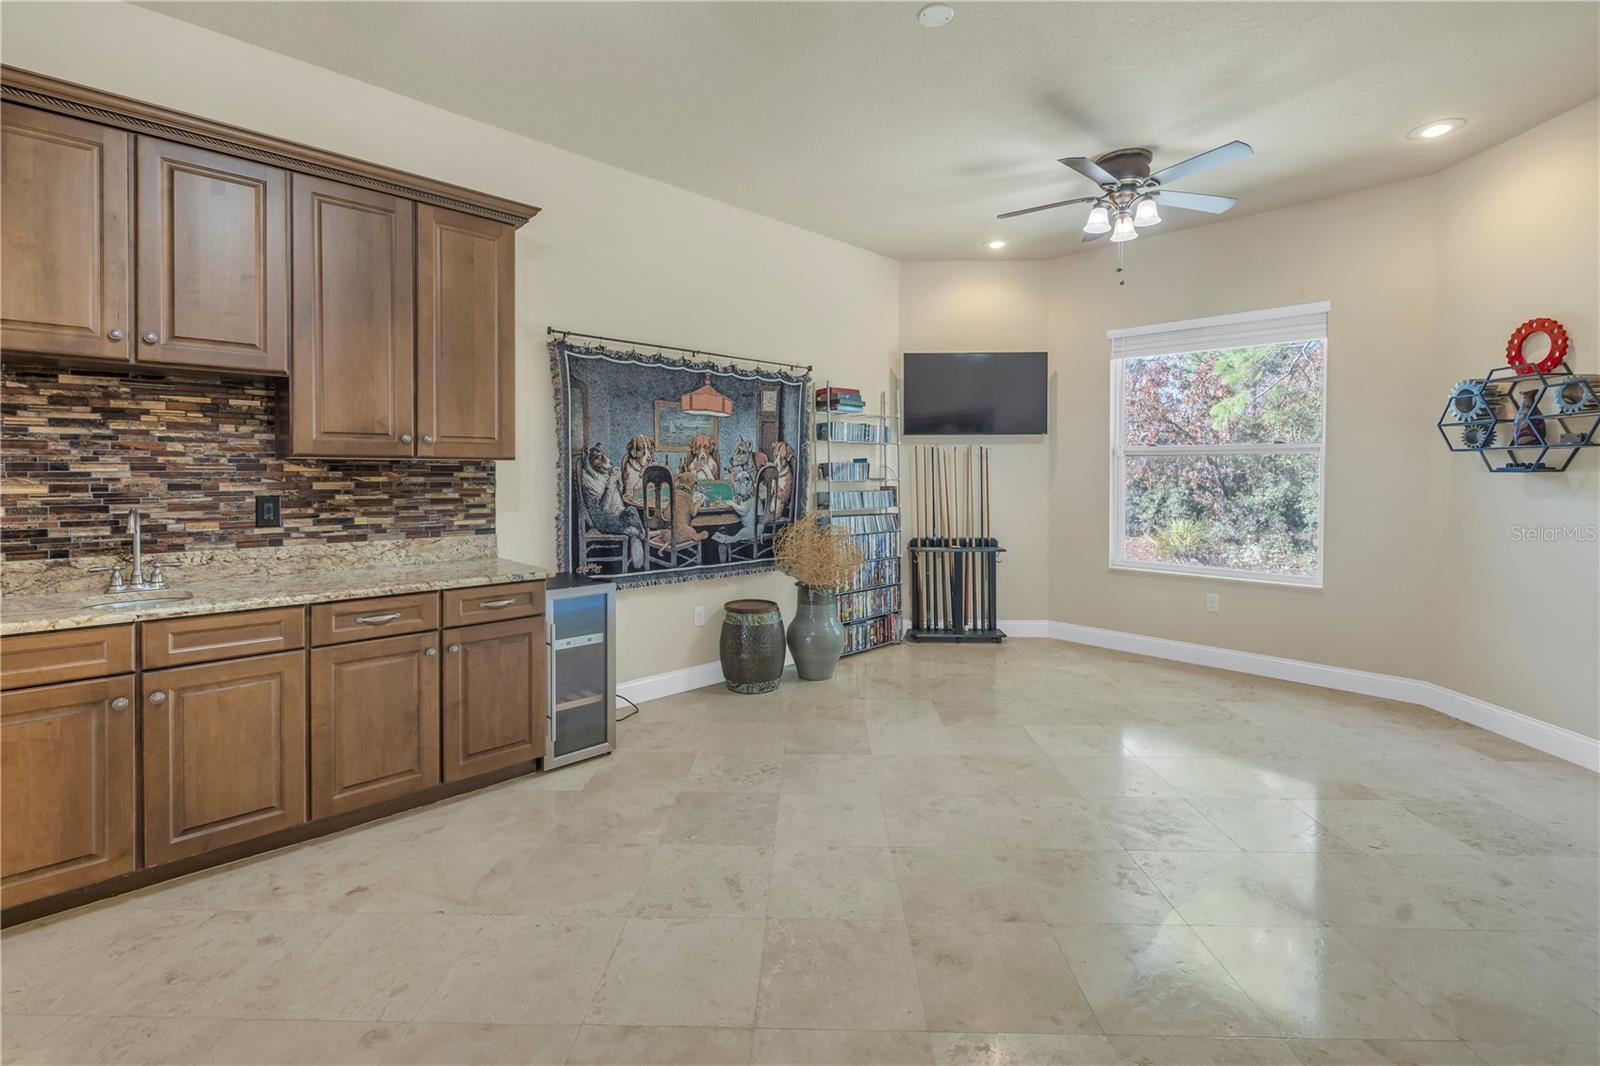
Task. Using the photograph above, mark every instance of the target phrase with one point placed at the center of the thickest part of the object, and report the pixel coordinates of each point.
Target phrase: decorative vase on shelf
(816, 636)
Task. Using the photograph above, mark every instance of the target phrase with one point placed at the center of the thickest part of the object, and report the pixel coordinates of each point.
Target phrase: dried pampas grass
(817, 555)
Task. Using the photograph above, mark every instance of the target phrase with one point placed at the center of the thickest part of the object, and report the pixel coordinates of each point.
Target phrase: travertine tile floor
(1033, 854)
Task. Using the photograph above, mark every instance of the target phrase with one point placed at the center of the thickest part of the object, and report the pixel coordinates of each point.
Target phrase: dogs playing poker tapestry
(672, 469)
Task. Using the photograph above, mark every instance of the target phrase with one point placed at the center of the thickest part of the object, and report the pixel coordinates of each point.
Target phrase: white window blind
(1279, 325)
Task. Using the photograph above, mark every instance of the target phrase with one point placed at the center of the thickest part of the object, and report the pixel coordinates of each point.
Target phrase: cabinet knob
(115, 335)
(158, 697)
(150, 338)
(431, 652)
(120, 703)
(405, 438)
(455, 649)
(427, 438)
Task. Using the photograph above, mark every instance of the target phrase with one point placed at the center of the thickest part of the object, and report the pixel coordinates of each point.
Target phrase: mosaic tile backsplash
(78, 448)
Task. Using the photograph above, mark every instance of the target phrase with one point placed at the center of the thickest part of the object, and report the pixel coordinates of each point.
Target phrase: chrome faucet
(142, 582)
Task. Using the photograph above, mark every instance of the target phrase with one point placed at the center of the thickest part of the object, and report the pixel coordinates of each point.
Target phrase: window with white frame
(1217, 445)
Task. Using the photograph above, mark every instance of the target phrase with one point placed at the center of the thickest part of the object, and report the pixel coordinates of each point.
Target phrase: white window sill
(1220, 574)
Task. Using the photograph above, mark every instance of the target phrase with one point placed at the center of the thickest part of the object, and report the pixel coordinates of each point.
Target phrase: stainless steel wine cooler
(580, 620)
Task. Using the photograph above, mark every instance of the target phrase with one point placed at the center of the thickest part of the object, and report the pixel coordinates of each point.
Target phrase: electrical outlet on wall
(1213, 602)
(269, 512)
(699, 616)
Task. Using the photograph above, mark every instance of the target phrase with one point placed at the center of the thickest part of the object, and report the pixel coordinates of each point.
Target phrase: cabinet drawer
(493, 603)
(207, 638)
(66, 787)
(65, 655)
(381, 616)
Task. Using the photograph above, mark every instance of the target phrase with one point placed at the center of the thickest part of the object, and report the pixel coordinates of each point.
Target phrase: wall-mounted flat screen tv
(975, 393)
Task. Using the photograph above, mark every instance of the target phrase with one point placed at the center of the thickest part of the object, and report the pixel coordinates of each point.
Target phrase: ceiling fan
(1130, 193)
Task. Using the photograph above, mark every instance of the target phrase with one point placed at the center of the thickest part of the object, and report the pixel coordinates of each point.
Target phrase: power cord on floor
(630, 703)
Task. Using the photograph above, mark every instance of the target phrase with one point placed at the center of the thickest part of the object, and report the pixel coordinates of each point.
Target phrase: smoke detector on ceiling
(935, 15)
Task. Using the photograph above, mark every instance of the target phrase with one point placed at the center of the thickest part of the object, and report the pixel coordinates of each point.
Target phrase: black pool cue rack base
(939, 611)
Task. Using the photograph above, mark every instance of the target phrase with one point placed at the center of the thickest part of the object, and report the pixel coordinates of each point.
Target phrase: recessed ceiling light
(935, 15)
(1431, 130)
(996, 244)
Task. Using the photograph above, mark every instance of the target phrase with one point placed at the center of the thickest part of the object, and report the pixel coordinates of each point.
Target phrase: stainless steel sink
(137, 599)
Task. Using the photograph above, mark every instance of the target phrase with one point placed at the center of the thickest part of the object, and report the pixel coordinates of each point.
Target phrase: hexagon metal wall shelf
(1480, 415)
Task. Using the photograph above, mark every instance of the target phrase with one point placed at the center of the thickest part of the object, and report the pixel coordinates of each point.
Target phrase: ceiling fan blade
(1087, 237)
(1226, 153)
(1090, 169)
(1046, 207)
(1195, 201)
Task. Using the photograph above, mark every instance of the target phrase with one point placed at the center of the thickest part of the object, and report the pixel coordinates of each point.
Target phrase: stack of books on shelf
(863, 524)
(856, 499)
(859, 469)
(855, 432)
(882, 566)
(872, 634)
(868, 604)
(847, 401)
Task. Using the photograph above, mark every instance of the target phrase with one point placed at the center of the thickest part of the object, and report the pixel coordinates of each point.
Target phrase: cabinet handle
(455, 649)
(377, 619)
(150, 338)
(427, 438)
(490, 605)
(405, 438)
(120, 703)
(115, 335)
(431, 652)
(158, 697)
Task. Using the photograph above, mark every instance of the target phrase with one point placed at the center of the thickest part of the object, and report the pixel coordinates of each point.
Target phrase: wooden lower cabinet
(374, 721)
(67, 798)
(494, 703)
(224, 753)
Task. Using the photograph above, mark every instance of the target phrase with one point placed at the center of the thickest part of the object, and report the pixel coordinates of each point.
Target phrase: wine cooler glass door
(580, 707)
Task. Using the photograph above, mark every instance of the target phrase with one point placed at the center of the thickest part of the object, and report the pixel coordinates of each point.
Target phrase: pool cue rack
(954, 558)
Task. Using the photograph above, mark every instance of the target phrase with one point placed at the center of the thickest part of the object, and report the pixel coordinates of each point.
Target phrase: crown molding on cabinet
(63, 97)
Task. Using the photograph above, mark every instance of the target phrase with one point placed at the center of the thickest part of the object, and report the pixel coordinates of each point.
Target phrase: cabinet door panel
(353, 391)
(466, 322)
(213, 260)
(66, 787)
(374, 722)
(67, 283)
(224, 753)
(493, 696)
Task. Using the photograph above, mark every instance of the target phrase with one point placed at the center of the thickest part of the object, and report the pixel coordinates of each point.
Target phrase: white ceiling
(851, 120)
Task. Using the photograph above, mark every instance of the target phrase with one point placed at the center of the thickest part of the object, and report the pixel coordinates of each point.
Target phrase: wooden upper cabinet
(213, 260)
(466, 343)
(224, 753)
(66, 787)
(65, 189)
(353, 387)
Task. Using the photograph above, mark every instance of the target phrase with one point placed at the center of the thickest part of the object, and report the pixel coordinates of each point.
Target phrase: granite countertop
(242, 583)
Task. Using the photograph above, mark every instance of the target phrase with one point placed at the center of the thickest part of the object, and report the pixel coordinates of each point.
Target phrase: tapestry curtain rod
(552, 331)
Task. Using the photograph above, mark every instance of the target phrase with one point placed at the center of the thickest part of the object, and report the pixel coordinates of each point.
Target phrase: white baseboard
(1551, 739)
(658, 686)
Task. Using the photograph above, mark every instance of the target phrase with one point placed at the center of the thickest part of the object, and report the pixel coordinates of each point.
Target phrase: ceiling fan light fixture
(1433, 130)
(1146, 214)
(1123, 229)
(1099, 220)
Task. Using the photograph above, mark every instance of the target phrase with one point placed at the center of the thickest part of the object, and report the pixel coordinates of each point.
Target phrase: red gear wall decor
(1558, 345)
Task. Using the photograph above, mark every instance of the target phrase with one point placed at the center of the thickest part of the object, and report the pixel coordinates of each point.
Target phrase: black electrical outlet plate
(269, 512)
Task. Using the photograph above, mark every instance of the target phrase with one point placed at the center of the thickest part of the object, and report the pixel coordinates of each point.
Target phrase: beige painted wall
(1517, 240)
(612, 252)
(1426, 279)
(999, 306)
